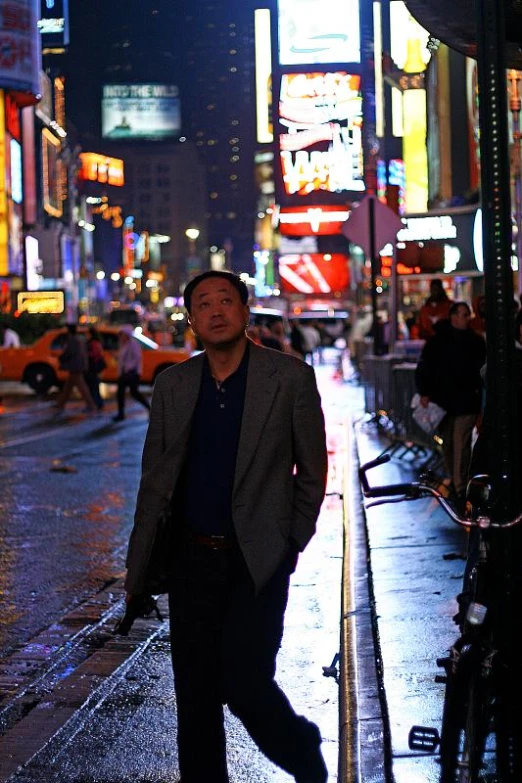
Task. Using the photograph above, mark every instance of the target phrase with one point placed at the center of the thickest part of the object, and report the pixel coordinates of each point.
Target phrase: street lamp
(193, 262)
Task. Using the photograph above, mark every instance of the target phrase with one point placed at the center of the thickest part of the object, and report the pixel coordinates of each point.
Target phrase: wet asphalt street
(76, 703)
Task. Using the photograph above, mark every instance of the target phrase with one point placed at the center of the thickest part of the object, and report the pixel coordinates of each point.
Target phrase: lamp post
(193, 264)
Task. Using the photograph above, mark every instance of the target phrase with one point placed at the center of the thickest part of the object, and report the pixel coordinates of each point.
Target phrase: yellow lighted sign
(51, 171)
(41, 302)
(100, 168)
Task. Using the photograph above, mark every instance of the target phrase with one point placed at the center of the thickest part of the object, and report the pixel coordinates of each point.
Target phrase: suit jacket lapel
(184, 398)
(261, 389)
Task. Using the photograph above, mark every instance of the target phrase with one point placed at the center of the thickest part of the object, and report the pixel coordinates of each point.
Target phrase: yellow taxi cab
(38, 366)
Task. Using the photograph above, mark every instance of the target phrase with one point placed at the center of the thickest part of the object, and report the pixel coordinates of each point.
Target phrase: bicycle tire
(466, 722)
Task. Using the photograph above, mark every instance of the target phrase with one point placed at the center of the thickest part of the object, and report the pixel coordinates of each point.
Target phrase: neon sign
(314, 273)
(100, 168)
(303, 221)
(321, 149)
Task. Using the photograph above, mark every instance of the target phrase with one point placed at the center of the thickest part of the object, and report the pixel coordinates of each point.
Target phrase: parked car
(37, 364)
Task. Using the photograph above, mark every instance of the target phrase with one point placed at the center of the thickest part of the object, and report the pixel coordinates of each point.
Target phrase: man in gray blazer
(236, 454)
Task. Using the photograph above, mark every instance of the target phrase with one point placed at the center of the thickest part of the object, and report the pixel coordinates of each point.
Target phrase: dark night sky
(153, 31)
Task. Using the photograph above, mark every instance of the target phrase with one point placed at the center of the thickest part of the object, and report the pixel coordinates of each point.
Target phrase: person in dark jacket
(448, 374)
(96, 365)
(74, 360)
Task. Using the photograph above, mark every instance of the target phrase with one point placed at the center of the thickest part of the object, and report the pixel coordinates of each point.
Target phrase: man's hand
(136, 606)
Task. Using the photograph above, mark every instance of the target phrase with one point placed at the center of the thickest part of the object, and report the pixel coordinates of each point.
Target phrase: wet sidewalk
(415, 562)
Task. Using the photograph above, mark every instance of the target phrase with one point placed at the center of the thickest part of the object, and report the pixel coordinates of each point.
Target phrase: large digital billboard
(140, 111)
(54, 23)
(319, 31)
(320, 133)
(314, 273)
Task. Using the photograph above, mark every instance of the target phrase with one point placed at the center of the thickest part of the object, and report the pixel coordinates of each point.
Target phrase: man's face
(218, 316)
(460, 319)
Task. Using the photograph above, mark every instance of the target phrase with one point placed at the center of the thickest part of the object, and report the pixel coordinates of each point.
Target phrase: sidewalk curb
(364, 735)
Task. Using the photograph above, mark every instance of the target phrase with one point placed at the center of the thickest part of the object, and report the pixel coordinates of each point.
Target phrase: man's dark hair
(232, 278)
(455, 308)
(71, 328)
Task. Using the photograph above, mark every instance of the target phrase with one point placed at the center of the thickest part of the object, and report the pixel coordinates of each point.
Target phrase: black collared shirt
(204, 490)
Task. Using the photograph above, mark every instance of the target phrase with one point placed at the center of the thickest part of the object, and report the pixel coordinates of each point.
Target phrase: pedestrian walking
(73, 359)
(8, 337)
(297, 340)
(236, 451)
(435, 308)
(130, 367)
(448, 373)
(96, 365)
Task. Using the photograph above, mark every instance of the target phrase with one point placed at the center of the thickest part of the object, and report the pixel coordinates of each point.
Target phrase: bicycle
(481, 731)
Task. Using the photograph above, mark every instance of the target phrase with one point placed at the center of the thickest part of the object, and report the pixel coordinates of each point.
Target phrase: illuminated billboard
(320, 133)
(314, 273)
(319, 31)
(140, 111)
(100, 168)
(41, 302)
(53, 23)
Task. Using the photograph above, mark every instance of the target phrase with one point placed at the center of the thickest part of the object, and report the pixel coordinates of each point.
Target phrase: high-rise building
(219, 115)
(205, 49)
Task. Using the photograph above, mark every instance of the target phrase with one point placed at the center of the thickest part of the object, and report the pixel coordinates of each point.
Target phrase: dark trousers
(224, 645)
(130, 381)
(93, 382)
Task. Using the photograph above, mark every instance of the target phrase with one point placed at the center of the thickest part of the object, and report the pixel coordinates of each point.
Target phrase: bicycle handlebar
(387, 490)
(413, 490)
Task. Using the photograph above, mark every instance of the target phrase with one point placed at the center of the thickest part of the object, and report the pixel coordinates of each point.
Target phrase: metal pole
(514, 106)
(394, 301)
(374, 262)
(500, 414)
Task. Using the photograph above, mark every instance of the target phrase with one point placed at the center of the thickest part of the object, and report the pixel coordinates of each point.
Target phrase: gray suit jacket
(281, 461)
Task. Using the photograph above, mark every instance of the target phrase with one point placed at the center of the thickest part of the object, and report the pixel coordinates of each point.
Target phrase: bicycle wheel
(465, 722)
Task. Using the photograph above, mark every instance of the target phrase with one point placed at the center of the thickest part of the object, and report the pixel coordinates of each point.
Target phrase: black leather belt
(212, 542)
